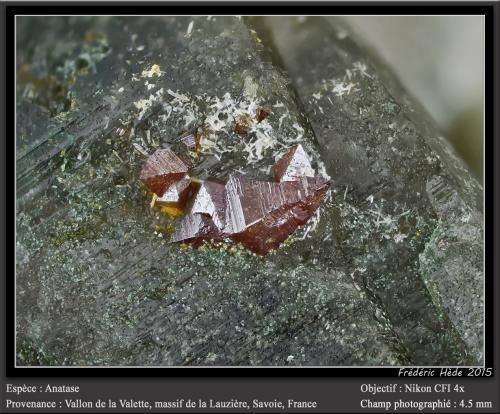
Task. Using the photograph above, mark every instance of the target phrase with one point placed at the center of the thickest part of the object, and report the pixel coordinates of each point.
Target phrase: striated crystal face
(210, 201)
(162, 170)
(261, 215)
(293, 165)
(258, 214)
(197, 228)
(248, 202)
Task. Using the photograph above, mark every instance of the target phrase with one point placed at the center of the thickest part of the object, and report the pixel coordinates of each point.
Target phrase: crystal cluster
(166, 175)
(162, 170)
(259, 215)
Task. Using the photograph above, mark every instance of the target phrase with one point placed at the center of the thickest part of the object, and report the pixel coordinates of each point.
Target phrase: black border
(491, 181)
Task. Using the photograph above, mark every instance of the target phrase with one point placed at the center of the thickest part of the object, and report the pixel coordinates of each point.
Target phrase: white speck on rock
(398, 238)
(361, 68)
(154, 70)
(144, 104)
(190, 28)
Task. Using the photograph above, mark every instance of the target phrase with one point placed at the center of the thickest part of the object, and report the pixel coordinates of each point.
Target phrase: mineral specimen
(389, 274)
(260, 215)
(293, 165)
(162, 170)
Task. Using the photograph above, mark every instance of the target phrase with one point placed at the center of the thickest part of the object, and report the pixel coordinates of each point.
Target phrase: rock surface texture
(388, 271)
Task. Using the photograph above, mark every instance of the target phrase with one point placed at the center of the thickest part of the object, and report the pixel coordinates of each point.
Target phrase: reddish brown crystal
(162, 170)
(195, 229)
(262, 215)
(242, 125)
(293, 165)
(262, 113)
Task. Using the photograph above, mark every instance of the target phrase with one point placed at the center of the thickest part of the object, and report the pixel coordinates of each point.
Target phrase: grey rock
(405, 188)
(372, 279)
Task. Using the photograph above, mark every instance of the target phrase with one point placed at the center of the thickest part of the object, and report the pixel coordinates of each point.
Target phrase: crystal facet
(261, 215)
(177, 194)
(196, 228)
(293, 165)
(162, 170)
(210, 201)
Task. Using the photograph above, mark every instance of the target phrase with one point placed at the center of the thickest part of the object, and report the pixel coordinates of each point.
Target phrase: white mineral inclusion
(299, 166)
(190, 28)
